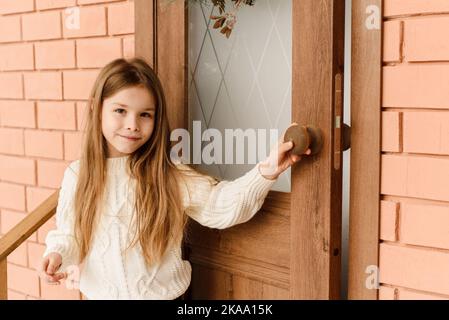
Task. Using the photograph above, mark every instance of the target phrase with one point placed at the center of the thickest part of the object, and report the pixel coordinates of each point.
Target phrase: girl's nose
(132, 125)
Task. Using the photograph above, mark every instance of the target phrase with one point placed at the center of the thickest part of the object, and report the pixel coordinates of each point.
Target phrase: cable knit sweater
(106, 272)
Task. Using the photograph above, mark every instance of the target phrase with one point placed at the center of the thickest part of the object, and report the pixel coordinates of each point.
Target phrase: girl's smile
(131, 138)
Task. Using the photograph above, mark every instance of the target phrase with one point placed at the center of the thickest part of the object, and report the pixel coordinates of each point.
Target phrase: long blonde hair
(159, 218)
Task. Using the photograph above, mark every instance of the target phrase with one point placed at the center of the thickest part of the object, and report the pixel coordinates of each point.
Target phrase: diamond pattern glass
(244, 81)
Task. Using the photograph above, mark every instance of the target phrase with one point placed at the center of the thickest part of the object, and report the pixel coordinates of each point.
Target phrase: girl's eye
(147, 115)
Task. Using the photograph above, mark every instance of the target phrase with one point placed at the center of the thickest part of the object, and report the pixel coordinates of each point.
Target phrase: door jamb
(366, 94)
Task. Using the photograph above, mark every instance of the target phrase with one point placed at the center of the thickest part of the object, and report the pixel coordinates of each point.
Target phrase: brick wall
(47, 66)
(414, 248)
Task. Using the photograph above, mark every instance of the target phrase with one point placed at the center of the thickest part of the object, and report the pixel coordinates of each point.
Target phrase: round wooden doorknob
(303, 138)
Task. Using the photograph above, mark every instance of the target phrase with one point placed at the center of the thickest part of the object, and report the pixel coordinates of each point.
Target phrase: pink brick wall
(414, 248)
(46, 72)
(47, 69)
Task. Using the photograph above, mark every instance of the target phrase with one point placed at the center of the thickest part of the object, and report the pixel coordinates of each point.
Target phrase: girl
(123, 207)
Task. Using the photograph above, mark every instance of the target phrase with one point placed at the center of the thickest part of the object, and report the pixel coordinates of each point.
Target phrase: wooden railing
(17, 235)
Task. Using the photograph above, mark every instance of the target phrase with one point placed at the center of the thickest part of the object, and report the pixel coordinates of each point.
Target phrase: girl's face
(130, 113)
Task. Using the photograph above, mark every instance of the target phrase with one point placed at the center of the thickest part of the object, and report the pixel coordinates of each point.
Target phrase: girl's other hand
(48, 267)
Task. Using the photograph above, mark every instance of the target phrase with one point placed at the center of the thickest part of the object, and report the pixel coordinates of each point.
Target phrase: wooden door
(291, 249)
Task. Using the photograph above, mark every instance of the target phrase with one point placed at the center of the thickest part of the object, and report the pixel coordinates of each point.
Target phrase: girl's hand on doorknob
(280, 159)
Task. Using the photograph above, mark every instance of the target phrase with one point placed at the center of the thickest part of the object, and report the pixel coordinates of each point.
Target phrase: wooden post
(3, 280)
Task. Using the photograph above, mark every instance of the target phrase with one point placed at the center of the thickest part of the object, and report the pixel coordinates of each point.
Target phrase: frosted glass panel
(244, 81)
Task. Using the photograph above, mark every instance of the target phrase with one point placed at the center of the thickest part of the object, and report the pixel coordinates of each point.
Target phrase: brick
(392, 41)
(78, 84)
(425, 225)
(11, 86)
(23, 279)
(43, 85)
(55, 54)
(92, 23)
(72, 145)
(389, 293)
(420, 269)
(16, 57)
(19, 256)
(56, 115)
(50, 173)
(35, 196)
(17, 114)
(13, 295)
(35, 252)
(33, 237)
(12, 141)
(13, 196)
(95, 1)
(53, 4)
(58, 292)
(386, 293)
(129, 47)
(41, 25)
(389, 211)
(10, 29)
(404, 294)
(81, 109)
(14, 6)
(426, 132)
(44, 229)
(45, 144)
(415, 176)
(9, 219)
(391, 131)
(416, 86)
(407, 7)
(423, 39)
(17, 169)
(121, 18)
(96, 53)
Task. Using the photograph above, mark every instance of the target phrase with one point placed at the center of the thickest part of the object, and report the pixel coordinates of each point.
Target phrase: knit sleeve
(62, 239)
(223, 204)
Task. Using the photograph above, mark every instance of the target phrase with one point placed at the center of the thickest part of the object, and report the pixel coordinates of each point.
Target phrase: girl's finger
(295, 158)
(56, 277)
(284, 147)
(51, 280)
(60, 275)
(52, 267)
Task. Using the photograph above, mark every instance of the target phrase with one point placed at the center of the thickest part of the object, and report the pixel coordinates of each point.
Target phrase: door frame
(365, 171)
(315, 216)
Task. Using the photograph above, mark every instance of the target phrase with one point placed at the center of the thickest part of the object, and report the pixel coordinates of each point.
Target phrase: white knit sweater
(107, 273)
